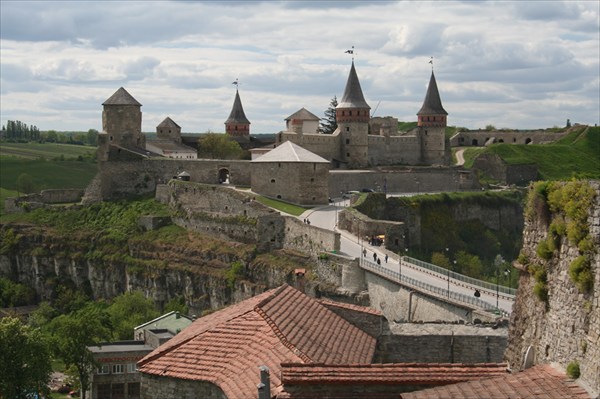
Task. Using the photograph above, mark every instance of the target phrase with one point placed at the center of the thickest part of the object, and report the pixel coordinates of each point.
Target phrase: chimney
(264, 388)
(300, 279)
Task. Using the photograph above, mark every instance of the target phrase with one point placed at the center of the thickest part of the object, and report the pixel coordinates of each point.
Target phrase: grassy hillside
(577, 154)
(50, 165)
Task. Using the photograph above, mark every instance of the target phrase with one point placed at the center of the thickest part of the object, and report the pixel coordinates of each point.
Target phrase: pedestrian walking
(374, 257)
(379, 262)
(364, 253)
(386, 258)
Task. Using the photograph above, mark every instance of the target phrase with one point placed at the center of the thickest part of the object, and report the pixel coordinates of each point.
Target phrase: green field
(45, 150)
(45, 164)
(577, 154)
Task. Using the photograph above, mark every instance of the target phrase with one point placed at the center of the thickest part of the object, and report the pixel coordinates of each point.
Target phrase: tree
(25, 183)
(92, 137)
(25, 365)
(329, 123)
(218, 146)
(73, 333)
(128, 311)
(177, 304)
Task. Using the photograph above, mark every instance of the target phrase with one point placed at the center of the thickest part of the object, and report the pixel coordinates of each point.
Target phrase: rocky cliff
(207, 272)
(556, 316)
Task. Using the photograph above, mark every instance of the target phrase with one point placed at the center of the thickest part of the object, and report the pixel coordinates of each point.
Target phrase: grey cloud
(140, 68)
(546, 10)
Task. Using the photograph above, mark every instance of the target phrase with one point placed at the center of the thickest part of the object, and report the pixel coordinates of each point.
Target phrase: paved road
(326, 217)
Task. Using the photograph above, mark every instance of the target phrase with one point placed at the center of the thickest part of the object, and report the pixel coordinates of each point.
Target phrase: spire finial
(431, 62)
(236, 83)
(351, 51)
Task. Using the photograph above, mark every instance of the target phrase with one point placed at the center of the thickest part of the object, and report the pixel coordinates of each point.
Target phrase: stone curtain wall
(410, 180)
(441, 344)
(121, 179)
(493, 166)
(163, 387)
(310, 239)
(231, 214)
(568, 328)
(508, 137)
(33, 201)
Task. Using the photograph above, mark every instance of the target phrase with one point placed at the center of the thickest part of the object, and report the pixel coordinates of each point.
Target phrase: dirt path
(460, 160)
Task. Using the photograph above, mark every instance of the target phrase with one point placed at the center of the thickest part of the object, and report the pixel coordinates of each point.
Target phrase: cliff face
(557, 309)
(199, 269)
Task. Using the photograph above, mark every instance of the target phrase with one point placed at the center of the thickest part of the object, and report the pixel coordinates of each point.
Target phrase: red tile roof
(279, 326)
(541, 381)
(389, 374)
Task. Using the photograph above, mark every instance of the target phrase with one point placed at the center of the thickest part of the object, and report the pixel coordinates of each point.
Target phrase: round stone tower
(352, 115)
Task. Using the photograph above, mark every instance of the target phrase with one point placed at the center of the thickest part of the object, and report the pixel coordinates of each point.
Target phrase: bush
(573, 369)
(581, 273)
(543, 250)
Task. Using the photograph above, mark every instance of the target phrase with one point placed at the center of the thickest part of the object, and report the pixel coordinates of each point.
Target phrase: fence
(401, 278)
(461, 277)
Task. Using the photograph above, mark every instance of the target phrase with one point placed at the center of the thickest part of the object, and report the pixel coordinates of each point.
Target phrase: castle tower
(432, 126)
(237, 124)
(121, 123)
(169, 130)
(352, 115)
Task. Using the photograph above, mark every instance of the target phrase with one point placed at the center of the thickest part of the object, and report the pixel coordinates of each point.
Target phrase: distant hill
(577, 154)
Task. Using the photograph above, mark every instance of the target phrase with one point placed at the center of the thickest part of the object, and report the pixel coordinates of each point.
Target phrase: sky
(521, 64)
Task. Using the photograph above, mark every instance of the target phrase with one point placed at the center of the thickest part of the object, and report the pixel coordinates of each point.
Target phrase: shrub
(543, 250)
(581, 273)
(541, 291)
(573, 369)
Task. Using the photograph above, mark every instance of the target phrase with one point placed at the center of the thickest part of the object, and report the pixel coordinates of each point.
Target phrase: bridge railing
(460, 277)
(397, 277)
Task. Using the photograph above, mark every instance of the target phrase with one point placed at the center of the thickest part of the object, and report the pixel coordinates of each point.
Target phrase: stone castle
(355, 144)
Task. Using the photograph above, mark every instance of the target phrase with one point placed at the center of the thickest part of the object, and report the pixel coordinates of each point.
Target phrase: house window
(133, 390)
(117, 391)
(349, 113)
(131, 368)
(103, 391)
(117, 369)
(103, 369)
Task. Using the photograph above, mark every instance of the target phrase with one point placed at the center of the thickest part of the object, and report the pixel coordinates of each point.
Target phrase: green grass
(46, 174)
(45, 150)
(576, 154)
(470, 154)
(282, 206)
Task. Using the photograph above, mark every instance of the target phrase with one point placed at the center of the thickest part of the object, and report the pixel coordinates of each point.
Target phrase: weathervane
(431, 62)
(236, 83)
(351, 51)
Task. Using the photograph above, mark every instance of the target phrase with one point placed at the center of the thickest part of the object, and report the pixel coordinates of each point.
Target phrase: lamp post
(449, 266)
(507, 276)
(498, 262)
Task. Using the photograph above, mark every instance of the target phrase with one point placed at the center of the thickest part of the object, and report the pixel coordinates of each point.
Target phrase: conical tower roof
(237, 112)
(121, 97)
(353, 95)
(432, 104)
(168, 122)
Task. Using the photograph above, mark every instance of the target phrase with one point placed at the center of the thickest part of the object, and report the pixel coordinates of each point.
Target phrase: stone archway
(223, 176)
(474, 142)
(527, 140)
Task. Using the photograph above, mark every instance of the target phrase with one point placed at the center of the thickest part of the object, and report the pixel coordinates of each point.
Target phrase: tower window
(349, 113)
(347, 128)
(348, 154)
(272, 180)
(347, 141)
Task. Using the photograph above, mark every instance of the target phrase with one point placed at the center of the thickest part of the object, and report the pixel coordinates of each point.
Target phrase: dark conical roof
(121, 97)
(237, 112)
(353, 95)
(432, 104)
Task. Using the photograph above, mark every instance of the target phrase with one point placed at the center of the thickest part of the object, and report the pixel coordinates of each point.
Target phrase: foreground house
(219, 355)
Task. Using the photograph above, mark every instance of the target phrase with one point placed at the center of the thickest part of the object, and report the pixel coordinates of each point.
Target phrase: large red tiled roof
(541, 381)
(389, 374)
(279, 326)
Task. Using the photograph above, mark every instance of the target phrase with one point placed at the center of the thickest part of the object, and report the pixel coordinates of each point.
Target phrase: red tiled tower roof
(279, 326)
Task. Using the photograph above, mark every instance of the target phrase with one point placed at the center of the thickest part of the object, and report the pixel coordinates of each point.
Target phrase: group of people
(376, 259)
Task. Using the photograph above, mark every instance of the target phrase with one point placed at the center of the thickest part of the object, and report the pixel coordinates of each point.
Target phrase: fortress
(406, 161)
